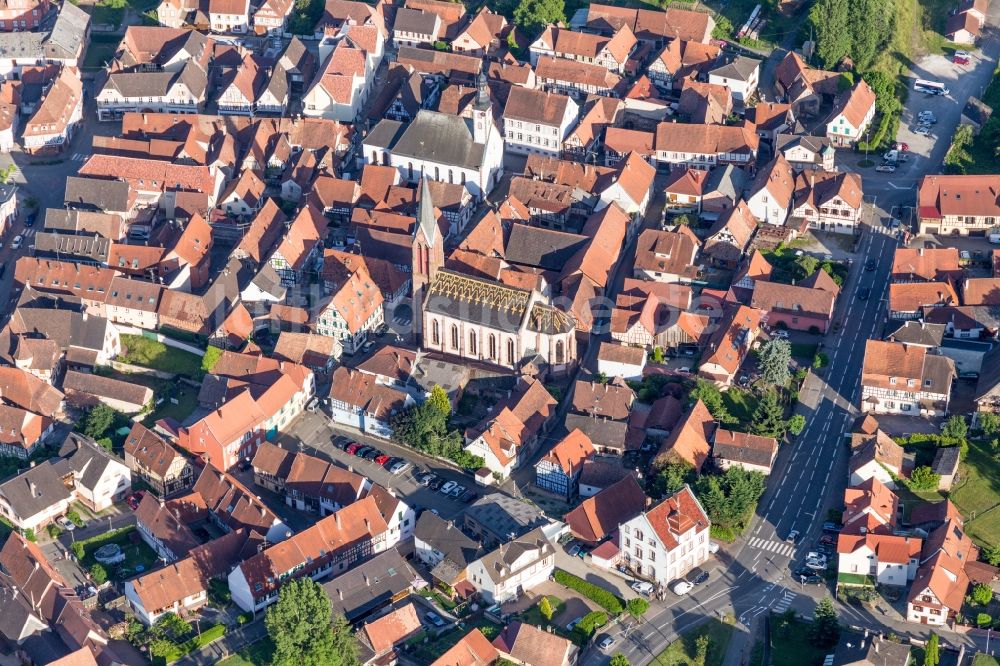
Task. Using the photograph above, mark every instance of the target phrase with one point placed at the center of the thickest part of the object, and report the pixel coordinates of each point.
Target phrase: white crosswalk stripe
(776, 547)
(784, 602)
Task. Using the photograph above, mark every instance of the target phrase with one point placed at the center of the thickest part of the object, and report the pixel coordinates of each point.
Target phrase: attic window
(928, 383)
(892, 380)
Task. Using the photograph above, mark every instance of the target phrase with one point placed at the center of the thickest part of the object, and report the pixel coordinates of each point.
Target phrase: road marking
(784, 602)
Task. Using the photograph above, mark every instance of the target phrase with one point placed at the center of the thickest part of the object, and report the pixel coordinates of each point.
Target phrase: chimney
(336, 517)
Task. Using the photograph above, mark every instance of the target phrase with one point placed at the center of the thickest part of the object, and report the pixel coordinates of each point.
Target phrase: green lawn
(740, 404)
(978, 491)
(139, 350)
(790, 644)
(683, 651)
(100, 50)
(985, 660)
(187, 403)
(534, 616)
(803, 351)
(137, 553)
(855, 579)
(429, 652)
(255, 654)
(984, 158)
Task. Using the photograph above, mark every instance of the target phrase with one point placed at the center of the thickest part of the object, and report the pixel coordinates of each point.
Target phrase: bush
(820, 360)
(796, 424)
(53, 530)
(982, 594)
(74, 517)
(637, 607)
(29, 534)
(923, 478)
(99, 574)
(598, 595)
(983, 619)
(77, 548)
(590, 623)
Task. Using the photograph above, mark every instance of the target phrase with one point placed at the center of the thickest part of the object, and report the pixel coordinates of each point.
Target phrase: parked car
(885, 168)
(134, 499)
(642, 587)
(605, 641)
(681, 588)
(927, 118)
(830, 526)
(698, 576)
(961, 58)
(456, 492)
(368, 346)
(447, 488)
(352, 448)
(399, 467)
(713, 547)
(871, 265)
(65, 523)
(922, 130)
(901, 146)
(16, 243)
(30, 220)
(341, 443)
(573, 550)
(372, 455)
(438, 484)
(827, 539)
(428, 479)
(469, 497)
(864, 294)
(781, 334)
(434, 619)
(382, 460)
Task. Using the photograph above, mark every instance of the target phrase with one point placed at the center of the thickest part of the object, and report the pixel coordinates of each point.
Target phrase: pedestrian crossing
(784, 602)
(79, 157)
(776, 547)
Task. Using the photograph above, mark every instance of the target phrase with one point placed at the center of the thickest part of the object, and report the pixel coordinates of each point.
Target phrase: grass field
(740, 404)
(790, 645)
(979, 491)
(534, 616)
(683, 651)
(138, 556)
(100, 50)
(255, 654)
(139, 350)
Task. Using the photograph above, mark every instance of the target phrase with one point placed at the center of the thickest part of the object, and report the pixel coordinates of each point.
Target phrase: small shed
(946, 465)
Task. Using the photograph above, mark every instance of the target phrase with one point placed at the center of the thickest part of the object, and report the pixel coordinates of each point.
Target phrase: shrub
(820, 360)
(77, 548)
(74, 517)
(29, 534)
(982, 594)
(53, 530)
(637, 607)
(99, 574)
(590, 623)
(598, 595)
(983, 619)
(545, 608)
(796, 424)
(923, 478)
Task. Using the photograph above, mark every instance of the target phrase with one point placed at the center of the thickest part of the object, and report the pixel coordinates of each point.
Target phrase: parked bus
(930, 87)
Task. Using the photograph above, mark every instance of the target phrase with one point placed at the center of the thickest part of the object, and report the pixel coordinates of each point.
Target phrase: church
(442, 146)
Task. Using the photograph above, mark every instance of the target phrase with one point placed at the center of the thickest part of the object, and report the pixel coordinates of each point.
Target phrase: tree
(709, 394)
(957, 157)
(796, 424)
(656, 356)
(5, 174)
(982, 594)
(723, 28)
(768, 418)
(924, 478)
(98, 420)
(439, 400)
(955, 427)
(637, 607)
(931, 657)
(701, 649)
(299, 625)
(989, 423)
(533, 15)
(545, 608)
(211, 357)
(98, 573)
(773, 359)
(871, 25)
(672, 474)
(807, 264)
(992, 555)
(825, 629)
(729, 499)
(830, 19)
(620, 660)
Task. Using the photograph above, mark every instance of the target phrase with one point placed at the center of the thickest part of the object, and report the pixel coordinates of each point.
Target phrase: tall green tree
(830, 20)
(701, 649)
(825, 629)
(439, 400)
(729, 499)
(709, 394)
(672, 473)
(955, 427)
(99, 420)
(304, 632)
(769, 417)
(871, 25)
(989, 423)
(545, 608)
(620, 660)
(931, 656)
(533, 15)
(773, 359)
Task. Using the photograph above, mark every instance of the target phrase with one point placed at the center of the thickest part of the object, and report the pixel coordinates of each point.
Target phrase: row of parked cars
(817, 559)
(452, 489)
(393, 464)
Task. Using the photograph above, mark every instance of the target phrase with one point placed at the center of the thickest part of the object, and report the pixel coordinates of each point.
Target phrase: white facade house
(350, 57)
(669, 540)
(519, 565)
(890, 385)
(770, 196)
(166, 91)
(852, 115)
(55, 122)
(537, 122)
(886, 559)
(829, 201)
(229, 16)
(741, 76)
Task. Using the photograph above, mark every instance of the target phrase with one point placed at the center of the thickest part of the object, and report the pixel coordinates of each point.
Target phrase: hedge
(598, 595)
(884, 133)
(590, 623)
(181, 650)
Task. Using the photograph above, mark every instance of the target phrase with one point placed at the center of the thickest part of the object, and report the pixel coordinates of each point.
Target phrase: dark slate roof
(946, 460)
(97, 194)
(439, 137)
(85, 459)
(740, 68)
(415, 21)
(919, 333)
(505, 517)
(729, 181)
(447, 538)
(989, 375)
(498, 563)
(610, 434)
(65, 327)
(857, 649)
(72, 246)
(485, 302)
(370, 586)
(48, 487)
(542, 248)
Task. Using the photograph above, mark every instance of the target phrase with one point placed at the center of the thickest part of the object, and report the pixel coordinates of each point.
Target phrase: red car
(382, 459)
(134, 499)
(961, 58)
(352, 447)
(902, 147)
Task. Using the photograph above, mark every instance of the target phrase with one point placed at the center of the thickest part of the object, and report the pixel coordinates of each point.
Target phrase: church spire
(426, 219)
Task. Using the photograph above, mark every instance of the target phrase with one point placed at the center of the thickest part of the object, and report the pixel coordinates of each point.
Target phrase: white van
(681, 588)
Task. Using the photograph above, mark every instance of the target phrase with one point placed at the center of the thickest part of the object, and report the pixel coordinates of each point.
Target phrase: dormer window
(892, 380)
